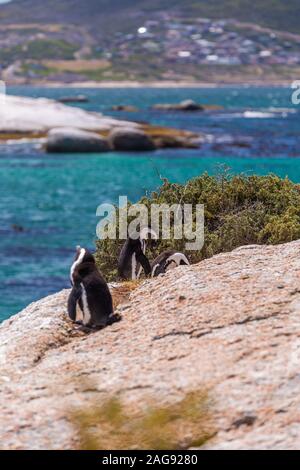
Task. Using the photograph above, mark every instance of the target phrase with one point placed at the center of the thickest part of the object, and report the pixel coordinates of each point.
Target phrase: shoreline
(154, 84)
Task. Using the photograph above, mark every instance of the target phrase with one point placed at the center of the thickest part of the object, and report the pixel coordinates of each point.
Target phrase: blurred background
(224, 41)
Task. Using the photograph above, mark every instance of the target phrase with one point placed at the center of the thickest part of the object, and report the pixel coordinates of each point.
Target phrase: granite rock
(230, 324)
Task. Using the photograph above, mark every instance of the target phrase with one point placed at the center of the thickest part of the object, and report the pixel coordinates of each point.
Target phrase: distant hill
(278, 14)
(79, 40)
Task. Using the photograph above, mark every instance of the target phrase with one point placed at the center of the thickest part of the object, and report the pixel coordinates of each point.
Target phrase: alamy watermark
(296, 93)
(176, 221)
(2, 94)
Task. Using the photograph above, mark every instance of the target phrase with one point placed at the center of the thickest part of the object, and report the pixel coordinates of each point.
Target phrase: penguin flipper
(103, 315)
(143, 260)
(72, 302)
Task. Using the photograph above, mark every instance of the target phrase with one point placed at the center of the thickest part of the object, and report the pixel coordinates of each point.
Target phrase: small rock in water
(17, 228)
(74, 99)
(186, 105)
(127, 108)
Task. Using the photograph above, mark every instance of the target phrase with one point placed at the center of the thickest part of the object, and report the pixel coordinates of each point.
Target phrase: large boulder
(130, 139)
(229, 324)
(70, 140)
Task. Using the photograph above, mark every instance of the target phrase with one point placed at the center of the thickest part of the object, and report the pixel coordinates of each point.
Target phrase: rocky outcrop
(30, 120)
(230, 324)
(19, 114)
(69, 140)
(128, 139)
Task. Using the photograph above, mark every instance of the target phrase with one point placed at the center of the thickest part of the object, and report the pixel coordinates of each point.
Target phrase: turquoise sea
(54, 197)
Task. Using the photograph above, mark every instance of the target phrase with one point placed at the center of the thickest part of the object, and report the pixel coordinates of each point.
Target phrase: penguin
(167, 260)
(132, 259)
(90, 302)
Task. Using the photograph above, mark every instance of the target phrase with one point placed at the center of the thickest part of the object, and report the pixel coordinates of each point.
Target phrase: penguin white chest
(86, 311)
(133, 266)
(79, 313)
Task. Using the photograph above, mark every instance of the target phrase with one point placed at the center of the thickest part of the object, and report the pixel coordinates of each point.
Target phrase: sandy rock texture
(230, 323)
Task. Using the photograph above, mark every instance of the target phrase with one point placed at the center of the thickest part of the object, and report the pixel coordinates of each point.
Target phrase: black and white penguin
(167, 260)
(90, 302)
(132, 259)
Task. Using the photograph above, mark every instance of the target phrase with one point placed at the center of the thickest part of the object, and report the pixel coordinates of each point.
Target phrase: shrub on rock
(239, 211)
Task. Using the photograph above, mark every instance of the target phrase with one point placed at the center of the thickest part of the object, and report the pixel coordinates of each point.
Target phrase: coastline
(154, 84)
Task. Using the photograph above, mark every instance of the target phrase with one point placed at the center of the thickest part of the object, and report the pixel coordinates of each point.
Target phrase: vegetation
(111, 425)
(46, 33)
(239, 210)
(278, 14)
(39, 49)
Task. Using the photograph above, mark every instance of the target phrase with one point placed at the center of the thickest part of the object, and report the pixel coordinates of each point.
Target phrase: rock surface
(69, 140)
(128, 139)
(230, 323)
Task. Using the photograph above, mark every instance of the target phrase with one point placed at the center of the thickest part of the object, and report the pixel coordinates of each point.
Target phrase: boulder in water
(186, 105)
(190, 105)
(125, 108)
(130, 139)
(71, 140)
(74, 99)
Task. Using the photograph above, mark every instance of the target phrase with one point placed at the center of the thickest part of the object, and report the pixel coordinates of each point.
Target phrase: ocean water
(55, 197)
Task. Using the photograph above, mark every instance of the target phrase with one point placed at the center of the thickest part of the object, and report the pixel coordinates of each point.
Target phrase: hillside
(229, 325)
(100, 40)
(277, 14)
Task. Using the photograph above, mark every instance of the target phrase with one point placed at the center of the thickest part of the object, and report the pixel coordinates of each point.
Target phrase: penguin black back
(90, 300)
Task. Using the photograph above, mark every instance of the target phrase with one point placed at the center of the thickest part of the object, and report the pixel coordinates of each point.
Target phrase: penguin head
(148, 231)
(140, 239)
(144, 233)
(157, 269)
(83, 255)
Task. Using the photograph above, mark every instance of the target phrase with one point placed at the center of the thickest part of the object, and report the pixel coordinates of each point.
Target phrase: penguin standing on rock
(167, 260)
(90, 302)
(132, 259)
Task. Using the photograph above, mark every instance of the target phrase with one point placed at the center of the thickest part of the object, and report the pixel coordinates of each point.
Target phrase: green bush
(239, 210)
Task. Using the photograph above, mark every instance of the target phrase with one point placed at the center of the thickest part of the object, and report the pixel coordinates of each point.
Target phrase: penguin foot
(86, 328)
(113, 318)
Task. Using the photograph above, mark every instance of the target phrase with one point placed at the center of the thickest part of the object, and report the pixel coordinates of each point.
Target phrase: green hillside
(278, 14)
